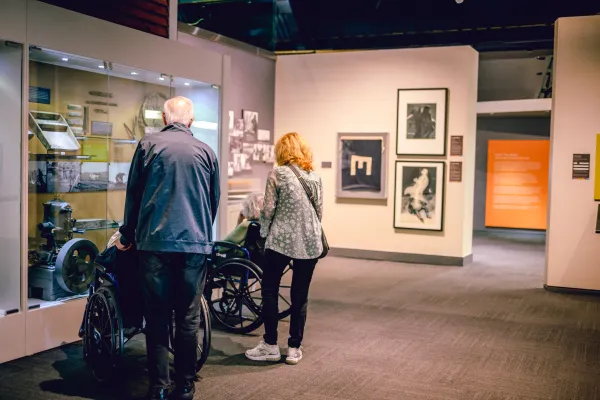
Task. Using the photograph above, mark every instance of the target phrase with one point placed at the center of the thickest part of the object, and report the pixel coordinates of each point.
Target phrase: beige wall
(320, 95)
(573, 250)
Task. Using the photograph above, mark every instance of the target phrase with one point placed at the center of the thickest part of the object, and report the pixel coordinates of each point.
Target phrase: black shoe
(184, 391)
(158, 393)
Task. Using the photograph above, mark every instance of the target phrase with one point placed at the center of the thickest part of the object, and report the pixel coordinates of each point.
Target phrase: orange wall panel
(517, 184)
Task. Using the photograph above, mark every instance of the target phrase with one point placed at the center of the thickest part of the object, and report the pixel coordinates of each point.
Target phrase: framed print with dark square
(419, 195)
(362, 166)
(421, 122)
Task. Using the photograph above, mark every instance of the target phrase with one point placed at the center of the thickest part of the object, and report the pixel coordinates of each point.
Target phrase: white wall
(573, 249)
(319, 95)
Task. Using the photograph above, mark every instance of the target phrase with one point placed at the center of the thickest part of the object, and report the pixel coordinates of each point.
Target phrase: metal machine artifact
(63, 266)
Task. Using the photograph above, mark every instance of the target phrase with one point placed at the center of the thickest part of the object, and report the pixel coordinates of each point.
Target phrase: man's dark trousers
(172, 281)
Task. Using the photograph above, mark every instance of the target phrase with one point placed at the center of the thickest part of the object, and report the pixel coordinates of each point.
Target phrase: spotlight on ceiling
(459, 1)
(134, 73)
(101, 66)
(187, 84)
(65, 59)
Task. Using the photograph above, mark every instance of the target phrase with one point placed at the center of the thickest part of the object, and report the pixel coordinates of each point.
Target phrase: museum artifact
(63, 266)
(362, 166)
(53, 131)
(419, 195)
(101, 103)
(421, 122)
(150, 115)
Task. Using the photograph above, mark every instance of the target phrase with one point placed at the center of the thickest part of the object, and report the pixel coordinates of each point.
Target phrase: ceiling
(305, 25)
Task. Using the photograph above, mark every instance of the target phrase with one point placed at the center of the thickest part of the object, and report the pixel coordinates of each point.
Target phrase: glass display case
(11, 60)
(86, 118)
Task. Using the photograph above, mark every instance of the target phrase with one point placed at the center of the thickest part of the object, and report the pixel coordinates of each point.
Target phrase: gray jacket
(172, 193)
(288, 219)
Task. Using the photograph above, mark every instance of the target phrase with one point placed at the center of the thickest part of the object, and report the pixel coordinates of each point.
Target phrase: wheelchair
(114, 314)
(233, 286)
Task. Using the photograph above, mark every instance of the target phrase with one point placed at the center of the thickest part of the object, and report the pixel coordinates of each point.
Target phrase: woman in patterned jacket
(291, 224)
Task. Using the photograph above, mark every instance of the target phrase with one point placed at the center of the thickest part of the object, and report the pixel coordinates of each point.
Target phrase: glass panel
(206, 113)
(11, 59)
(69, 106)
(141, 96)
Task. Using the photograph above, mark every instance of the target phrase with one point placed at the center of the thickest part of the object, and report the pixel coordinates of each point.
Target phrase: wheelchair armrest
(228, 245)
(100, 268)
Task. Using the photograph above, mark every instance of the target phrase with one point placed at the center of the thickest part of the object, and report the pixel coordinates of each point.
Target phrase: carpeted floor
(383, 331)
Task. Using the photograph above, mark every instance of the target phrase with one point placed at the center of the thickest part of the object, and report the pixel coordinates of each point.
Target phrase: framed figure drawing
(362, 166)
(419, 195)
(421, 123)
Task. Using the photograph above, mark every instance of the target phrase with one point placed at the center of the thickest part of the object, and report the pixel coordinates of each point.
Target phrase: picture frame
(419, 188)
(361, 171)
(421, 122)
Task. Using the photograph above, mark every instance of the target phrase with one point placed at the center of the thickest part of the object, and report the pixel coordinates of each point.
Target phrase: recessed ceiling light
(161, 78)
(134, 73)
(65, 59)
(187, 84)
(101, 66)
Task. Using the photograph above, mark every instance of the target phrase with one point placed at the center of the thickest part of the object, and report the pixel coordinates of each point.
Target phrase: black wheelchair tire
(257, 272)
(105, 299)
(205, 343)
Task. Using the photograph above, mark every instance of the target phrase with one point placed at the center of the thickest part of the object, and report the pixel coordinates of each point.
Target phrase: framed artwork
(419, 195)
(421, 123)
(94, 177)
(38, 177)
(362, 166)
(63, 176)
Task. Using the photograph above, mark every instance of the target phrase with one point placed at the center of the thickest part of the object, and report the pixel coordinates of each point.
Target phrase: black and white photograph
(238, 128)
(94, 177)
(38, 179)
(250, 126)
(63, 176)
(118, 174)
(419, 194)
(362, 166)
(421, 122)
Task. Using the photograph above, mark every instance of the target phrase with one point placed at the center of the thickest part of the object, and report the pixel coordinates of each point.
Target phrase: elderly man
(172, 199)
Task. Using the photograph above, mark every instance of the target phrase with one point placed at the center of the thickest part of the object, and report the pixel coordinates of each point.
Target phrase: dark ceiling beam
(523, 38)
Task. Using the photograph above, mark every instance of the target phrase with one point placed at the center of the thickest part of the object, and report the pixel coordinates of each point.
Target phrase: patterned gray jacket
(288, 219)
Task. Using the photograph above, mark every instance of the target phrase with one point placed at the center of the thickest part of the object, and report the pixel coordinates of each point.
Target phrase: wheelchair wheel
(204, 335)
(285, 292)
(233, 294)
(103, 334)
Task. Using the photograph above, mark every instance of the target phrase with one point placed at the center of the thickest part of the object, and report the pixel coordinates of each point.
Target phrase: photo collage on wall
(248, 145)
(419, 185)
(76, 176)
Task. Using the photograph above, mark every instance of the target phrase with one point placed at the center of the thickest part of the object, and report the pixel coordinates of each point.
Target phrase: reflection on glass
(11, 56)
(206, 113)
(69, 99)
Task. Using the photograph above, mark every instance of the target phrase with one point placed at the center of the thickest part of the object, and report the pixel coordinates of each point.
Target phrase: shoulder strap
(305, 186)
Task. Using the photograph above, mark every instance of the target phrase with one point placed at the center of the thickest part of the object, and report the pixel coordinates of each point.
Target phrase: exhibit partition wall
(393, 135)
(75, 107)
(572, 248)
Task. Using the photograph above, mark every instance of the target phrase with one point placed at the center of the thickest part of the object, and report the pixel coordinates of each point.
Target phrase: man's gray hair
(179, 109)
(252, 206)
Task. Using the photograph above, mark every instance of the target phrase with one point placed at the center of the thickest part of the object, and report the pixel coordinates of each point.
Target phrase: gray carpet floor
(382, 331)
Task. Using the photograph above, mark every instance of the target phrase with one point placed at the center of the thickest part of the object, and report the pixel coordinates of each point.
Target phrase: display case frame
(25, 21)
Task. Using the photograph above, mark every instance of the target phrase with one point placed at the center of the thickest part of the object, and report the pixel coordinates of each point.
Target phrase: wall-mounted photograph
(63, 177)
(419, 195)
(421, 122)
(38, 179)
(362, 166)
(94, 177)
(250, 126)
(118, 175)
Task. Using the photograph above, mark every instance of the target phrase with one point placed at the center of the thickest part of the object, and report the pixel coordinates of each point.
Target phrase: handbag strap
(305, 186)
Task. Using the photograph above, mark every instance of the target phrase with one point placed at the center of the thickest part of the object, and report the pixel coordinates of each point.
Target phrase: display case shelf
(52, 130)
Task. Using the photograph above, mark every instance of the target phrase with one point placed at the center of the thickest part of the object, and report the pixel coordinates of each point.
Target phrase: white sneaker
(264, 352)
(294, 355)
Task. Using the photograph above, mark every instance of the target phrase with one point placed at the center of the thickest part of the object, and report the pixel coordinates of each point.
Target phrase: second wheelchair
(233, 287)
